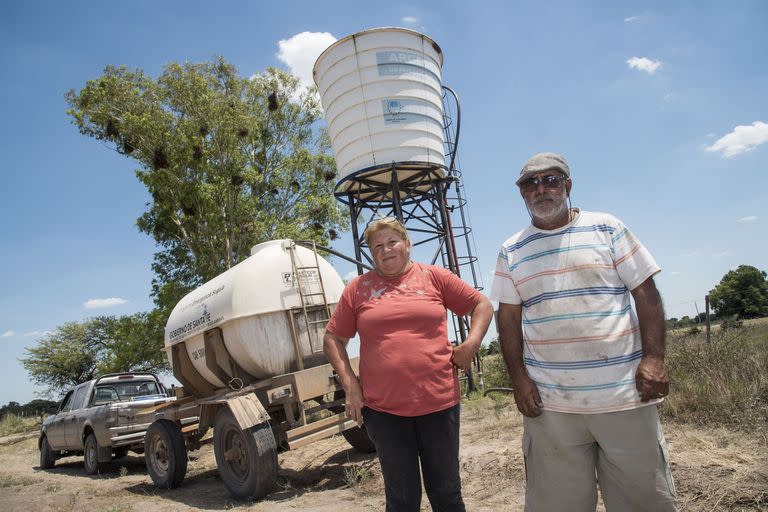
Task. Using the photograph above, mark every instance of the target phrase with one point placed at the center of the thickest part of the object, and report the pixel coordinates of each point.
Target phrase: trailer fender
(246, 409)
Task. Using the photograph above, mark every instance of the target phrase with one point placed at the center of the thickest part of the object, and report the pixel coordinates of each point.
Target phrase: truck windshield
(126, 390)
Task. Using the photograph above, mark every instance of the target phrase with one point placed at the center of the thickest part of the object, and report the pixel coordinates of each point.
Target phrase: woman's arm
(335, 348)
(480, 318)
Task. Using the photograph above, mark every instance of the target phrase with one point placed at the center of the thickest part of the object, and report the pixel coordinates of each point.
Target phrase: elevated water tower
(395, 130)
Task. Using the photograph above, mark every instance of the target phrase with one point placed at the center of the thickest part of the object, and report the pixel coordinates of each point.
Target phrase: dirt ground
(713, 470)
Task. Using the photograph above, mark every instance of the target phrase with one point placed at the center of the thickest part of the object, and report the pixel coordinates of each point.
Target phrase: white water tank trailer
(270, 309)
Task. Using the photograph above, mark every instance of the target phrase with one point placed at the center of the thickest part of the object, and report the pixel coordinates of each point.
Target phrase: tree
(63, 358)
(79, 351)
(36, 407)
(228, 161)
(742, 292)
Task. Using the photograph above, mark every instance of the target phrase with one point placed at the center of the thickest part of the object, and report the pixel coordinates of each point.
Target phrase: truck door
(55, 430)
(73, 423)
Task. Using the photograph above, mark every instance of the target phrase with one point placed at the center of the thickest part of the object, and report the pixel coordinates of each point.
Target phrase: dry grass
(723, 382)
(7, 480)
(13, 424)
(717, 469)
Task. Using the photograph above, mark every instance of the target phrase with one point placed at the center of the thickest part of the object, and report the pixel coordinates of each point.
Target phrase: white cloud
(410, 20)
(37, 333)
(7, 334)
(741, 139)
(721, 254)
(103, 303)
(350, 276)
(300, 52)
(631, 19)
(748, 219)
(675, 273)
(644, 64)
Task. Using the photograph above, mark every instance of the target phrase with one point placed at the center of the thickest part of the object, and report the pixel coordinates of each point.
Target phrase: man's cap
(541, 162)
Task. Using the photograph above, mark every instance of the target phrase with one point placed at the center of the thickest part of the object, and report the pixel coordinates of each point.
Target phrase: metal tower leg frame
(429, 200)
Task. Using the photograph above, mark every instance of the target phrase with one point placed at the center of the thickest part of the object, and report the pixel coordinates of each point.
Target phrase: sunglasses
(551, 182)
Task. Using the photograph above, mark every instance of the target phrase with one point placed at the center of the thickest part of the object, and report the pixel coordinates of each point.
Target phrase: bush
(495, 373)
(693, 331)
(731, 323)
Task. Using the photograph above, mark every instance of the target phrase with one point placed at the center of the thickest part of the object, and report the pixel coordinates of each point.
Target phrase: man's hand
(651, 378)
(527, 396)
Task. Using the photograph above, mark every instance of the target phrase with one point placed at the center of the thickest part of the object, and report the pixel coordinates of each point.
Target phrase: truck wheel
(247, 459)
(91, 455)
(358, 438)
(355, 436)
(47, 455)
(165, 454)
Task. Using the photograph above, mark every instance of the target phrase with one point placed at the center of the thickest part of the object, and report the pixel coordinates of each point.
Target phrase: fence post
(706, 307)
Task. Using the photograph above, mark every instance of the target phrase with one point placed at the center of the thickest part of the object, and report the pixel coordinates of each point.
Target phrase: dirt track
(713, 470)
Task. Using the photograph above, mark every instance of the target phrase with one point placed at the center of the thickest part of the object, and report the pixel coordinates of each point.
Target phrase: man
(587, 371)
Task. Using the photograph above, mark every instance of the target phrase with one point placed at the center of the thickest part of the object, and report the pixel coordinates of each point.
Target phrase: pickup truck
(105, 417)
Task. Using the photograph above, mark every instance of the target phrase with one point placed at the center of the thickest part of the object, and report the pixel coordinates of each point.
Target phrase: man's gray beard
(546, 213)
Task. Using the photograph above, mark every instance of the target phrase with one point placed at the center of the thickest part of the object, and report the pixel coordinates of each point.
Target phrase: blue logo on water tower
(394, 107)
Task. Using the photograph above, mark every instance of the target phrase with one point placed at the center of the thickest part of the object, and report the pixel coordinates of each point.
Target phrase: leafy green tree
(229, 162)
(79, 351)
(135, 343)
(65, 357)
(742, 292)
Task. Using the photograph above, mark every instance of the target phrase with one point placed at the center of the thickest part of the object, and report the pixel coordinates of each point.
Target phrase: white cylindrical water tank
(249, 302)
(382, 95)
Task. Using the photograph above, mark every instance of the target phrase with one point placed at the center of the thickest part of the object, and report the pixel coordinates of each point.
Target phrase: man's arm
(480, 319)
(335, 348)
(651, 378)
(527, 397)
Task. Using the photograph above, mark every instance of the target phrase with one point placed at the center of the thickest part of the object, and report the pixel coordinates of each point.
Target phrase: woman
(408, 392)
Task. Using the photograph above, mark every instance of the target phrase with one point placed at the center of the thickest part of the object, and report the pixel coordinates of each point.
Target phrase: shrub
(731, 323)
(693, 331)
(495, 373)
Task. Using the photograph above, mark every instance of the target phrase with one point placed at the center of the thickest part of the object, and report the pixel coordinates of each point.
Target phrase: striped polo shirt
(581, 335)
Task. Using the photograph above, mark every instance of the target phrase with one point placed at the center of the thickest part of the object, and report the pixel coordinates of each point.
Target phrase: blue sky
(660, 108)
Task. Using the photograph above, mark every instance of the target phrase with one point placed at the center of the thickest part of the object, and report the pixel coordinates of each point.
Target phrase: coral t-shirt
(405, 355)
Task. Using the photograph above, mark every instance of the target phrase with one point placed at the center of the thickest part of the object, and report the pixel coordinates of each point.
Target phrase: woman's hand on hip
(463, 355)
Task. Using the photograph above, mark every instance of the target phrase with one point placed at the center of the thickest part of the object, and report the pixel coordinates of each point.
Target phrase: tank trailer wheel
(91, 455)
(165, 454)
(247, 459)
(47, 455)
(358, 438)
